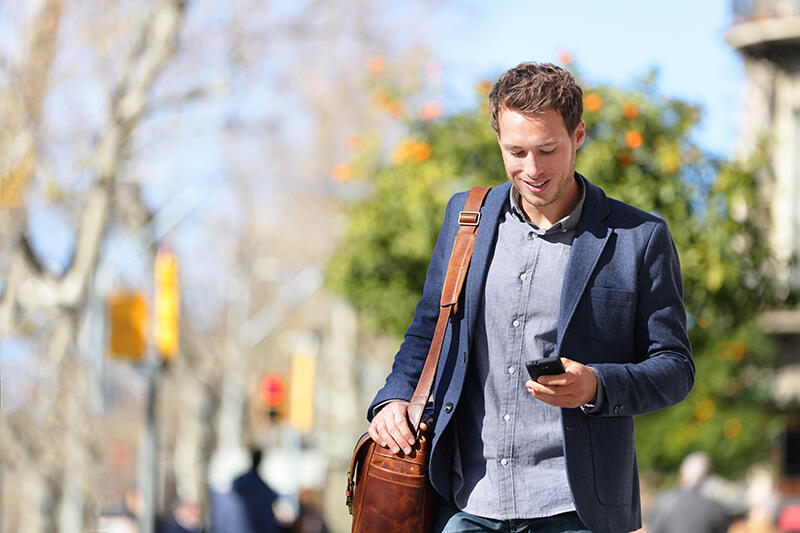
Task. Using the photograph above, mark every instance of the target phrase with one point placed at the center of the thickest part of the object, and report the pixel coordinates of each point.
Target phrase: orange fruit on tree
(341, 173)
(421, 150)
(430, 111)
(394, 108)
(593, 102)
(629, 110)
(376, 65)
(633, 139)
(624, 158)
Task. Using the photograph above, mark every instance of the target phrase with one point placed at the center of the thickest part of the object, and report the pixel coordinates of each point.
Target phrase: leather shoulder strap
(468, 221)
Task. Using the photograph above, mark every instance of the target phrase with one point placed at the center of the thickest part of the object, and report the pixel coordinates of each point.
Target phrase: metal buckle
(349, 493)
(464, 218)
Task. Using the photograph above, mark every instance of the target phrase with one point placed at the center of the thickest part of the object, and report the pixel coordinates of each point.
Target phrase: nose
(532, 168)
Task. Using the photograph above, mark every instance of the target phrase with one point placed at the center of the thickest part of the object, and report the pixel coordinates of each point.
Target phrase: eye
(547, 152)
(518, 154)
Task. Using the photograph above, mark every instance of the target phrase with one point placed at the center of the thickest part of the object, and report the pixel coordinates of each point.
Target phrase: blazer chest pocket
(611, 313)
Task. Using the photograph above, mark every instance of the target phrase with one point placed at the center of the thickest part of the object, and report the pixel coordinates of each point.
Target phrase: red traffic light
(273, 390)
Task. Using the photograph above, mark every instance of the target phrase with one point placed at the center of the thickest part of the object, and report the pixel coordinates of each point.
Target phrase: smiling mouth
(537, 184)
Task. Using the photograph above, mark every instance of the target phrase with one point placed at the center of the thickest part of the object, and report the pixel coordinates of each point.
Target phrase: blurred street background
(216, 218)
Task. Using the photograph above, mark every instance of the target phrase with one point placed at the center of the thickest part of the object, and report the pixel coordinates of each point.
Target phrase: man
(688, 508)
(248, 507)
(561, 270)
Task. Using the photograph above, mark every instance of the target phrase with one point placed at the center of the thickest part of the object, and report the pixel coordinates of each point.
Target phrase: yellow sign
(12, 185)
(301, 391)
(167, 304)
(127, 312)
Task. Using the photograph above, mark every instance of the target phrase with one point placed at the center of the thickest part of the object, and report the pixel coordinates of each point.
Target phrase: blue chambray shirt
(509, 462)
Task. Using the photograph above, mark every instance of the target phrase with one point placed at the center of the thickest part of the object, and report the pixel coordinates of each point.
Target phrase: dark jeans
(451, 520)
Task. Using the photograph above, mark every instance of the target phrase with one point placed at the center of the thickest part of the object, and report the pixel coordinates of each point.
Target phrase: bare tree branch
(35, 290)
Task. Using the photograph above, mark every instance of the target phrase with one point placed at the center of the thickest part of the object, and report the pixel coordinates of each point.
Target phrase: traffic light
(127, 312)
(273, 393)
(167, 304)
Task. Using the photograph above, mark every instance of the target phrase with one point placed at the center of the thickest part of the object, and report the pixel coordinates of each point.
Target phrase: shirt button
(523, 276)
(531, 235)
(507, 418)
(515, 323)
(511, 370)
(504, 461)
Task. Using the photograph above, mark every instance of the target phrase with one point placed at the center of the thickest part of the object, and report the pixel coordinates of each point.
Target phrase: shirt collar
(568, 223)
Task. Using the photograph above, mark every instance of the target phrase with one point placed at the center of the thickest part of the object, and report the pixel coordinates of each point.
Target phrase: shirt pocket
(611, 314)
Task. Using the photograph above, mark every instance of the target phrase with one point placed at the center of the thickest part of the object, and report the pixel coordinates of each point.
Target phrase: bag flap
(358, 452)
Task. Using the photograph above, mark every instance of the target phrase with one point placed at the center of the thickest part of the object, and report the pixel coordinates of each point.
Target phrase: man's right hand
(389, 428)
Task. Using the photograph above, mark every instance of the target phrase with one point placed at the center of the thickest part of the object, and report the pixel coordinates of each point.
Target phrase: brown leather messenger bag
(391, 493)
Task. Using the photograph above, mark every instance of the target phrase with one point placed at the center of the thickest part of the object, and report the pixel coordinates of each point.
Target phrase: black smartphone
(546, 366)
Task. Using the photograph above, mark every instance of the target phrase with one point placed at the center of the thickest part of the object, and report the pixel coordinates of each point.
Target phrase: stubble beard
(562, 186)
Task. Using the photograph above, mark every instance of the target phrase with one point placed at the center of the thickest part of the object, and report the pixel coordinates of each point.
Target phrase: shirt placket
(519, 280)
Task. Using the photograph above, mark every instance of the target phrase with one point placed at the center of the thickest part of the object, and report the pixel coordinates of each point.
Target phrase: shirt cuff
(600, 399)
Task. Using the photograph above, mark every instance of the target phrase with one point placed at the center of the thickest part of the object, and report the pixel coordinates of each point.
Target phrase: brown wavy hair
(536, 87)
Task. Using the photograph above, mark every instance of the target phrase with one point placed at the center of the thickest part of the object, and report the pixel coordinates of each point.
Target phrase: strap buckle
(469, 218)
(349, 492)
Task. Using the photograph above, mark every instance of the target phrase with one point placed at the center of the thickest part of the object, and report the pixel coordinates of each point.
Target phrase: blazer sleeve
(664, 372)
(410, 358)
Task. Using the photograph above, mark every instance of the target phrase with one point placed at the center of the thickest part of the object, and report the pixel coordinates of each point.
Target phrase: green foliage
(382, 263)
(639, 150)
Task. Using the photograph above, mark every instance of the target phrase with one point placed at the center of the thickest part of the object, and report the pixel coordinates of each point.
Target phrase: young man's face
(539, 156)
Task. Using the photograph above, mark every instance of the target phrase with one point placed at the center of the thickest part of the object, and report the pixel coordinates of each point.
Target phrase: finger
(402, 424)
(570, 374)
(423, 426)
(373, 434)
(558, 401)
(540, 389)
(391, 444)
(558, 396)
(384, 438)
(398, 434)
(557, 380)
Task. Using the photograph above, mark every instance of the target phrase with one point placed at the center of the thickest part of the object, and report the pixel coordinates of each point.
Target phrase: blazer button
(448, 407)
(617, 409)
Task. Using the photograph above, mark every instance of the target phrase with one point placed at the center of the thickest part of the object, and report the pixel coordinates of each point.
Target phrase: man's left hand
(577, 386)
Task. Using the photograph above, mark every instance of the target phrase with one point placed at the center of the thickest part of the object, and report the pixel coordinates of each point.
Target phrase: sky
(612, 41)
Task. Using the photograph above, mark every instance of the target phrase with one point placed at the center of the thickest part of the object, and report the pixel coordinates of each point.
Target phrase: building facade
(766, 34)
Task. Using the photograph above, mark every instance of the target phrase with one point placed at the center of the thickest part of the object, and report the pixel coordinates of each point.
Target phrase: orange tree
(639, 149)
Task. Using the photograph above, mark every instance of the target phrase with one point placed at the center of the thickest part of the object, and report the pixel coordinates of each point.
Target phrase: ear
(580, 134)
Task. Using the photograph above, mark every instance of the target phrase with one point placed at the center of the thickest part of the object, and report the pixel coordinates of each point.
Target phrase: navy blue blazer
(621, 313)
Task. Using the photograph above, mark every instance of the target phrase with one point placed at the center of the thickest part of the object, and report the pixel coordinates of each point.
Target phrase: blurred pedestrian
(686, 509)
(247, 508)
(186, 517)
(310, 519)
(762, 504)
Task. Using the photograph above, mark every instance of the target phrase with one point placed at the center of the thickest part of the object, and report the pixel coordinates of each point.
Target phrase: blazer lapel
(484, 244)
(591, 236)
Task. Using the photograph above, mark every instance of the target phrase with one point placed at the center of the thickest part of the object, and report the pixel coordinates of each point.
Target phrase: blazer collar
(481, 254)
(591, 236)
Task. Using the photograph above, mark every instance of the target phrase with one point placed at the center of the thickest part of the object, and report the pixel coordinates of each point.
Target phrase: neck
(547, 215)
